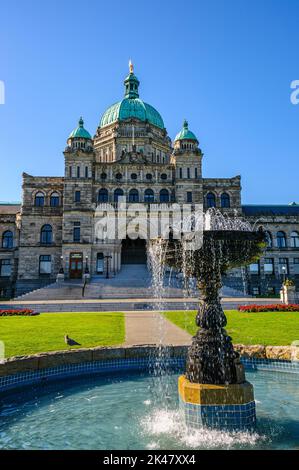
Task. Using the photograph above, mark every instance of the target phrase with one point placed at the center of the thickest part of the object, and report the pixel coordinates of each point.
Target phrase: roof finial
(131, 66)
(185, 124)
(81, 122)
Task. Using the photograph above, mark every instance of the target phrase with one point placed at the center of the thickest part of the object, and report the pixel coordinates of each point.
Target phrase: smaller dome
(80, 132)
(185, 134)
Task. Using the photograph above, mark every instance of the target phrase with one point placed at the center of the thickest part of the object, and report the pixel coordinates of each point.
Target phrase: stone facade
(131, 156)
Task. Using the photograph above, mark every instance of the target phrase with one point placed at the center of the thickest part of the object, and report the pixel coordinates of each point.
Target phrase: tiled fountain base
(230, 407)
(229, 417)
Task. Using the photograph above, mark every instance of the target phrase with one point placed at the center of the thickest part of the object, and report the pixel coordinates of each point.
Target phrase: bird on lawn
(70, 342)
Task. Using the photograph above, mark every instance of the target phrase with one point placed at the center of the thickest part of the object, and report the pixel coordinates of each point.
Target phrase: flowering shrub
(269, 308)
(20, 312)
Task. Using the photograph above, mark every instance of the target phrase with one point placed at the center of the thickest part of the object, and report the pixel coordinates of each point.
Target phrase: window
(163, 176)
(5, 268)
(281, 240)
(86, 172)
(133, 195)
(77, 232)
(196, 173)
(164, 195)
(295, 240)
(296, 266)
(269, 266)
(211, 200)
(54, 200)
(225, 200)
(172, 196)
(149, 195)
(181, 173)
(39, 200)
(117, 194)
(283, 266)
(77, 196)
(254, 268)
(103, 176)
(70, 171)
(45, 264)
(133, 176)
(103, 195)
(256, 291)
(189, 196)
(7, 239)
(118, 176)
(188, 172)
(78, 172)
(46, 235)
(149, 176)
(269, 240)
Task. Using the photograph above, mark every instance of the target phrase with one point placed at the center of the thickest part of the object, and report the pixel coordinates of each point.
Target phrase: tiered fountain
(214, 391)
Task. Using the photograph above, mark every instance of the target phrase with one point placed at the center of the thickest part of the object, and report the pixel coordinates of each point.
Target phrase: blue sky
(225, 65)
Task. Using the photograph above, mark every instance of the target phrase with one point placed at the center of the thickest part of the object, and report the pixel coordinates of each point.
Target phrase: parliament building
(130, 157)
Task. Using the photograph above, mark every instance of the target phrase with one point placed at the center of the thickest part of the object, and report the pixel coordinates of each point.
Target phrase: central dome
(131, 106)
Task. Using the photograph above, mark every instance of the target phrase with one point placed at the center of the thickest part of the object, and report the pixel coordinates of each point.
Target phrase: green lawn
(268, 328)
(45, 332)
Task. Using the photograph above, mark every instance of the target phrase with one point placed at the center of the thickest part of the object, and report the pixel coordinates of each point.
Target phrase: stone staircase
(132, 282)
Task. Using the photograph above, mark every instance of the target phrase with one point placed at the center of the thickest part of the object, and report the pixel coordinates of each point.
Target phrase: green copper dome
(185, 134)
(131, 106)
(80, 132)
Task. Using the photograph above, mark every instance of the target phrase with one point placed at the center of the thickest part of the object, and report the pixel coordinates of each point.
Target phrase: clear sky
(225, 65)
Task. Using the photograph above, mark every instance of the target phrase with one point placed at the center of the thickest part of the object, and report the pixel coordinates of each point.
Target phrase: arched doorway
(133, 251)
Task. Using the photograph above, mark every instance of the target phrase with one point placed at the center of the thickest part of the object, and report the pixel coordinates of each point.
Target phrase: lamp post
(61, 270)
(283, 274)
(107, 257)
(86, 265)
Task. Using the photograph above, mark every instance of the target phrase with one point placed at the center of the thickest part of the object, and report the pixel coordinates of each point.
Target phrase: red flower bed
(269, 308)
(20, 312)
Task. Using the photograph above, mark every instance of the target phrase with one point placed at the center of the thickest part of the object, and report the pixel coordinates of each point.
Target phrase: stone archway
(133, 251)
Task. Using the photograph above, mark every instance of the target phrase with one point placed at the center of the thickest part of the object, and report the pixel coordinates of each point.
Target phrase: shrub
(16, 312)
(269, 308)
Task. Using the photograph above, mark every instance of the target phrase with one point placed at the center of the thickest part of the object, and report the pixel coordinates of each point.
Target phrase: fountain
(214, 391)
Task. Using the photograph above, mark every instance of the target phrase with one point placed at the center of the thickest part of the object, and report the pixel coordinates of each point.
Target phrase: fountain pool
(124, 411)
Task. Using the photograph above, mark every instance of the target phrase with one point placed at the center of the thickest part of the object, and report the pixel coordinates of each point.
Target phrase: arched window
(225, 200)
(103, 195)
(54, 200)
(164, 195)
(295, 240)
(39, 199)
(269, 240)
(7, 239)
(133, 195)
(103, 176)
(46, 234)
(133, 176)
(149, 176)
(118, 176)
(163, 176)
(117, 194)
(281, 240)
(211, 200)
(149, 195)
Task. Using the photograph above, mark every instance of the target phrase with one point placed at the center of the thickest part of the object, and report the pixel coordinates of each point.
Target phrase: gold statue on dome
(131, 66)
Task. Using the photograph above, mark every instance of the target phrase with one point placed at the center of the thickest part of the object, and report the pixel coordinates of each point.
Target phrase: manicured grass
(45, 332)
(268, 328)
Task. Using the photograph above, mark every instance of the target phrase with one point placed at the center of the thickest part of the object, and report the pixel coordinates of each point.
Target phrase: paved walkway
(153, 328)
